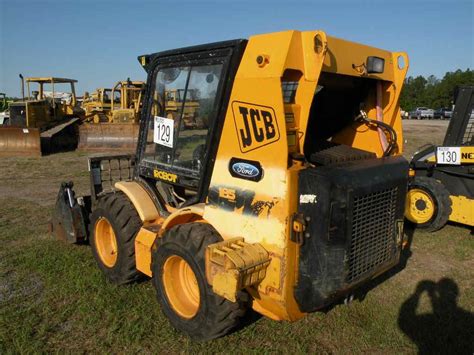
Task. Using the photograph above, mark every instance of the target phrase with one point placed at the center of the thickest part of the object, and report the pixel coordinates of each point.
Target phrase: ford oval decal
(245, 169)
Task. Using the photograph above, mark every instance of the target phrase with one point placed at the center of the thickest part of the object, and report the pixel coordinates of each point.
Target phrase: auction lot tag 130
(448, 155)
(163, 133)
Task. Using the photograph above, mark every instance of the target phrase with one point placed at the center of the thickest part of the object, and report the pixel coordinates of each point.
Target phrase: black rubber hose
(387, 128)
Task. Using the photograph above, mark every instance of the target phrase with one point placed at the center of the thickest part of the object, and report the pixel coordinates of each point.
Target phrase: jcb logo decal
(256, 125)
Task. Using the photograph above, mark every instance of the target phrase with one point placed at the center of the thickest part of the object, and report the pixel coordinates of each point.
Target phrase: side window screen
(183, 110)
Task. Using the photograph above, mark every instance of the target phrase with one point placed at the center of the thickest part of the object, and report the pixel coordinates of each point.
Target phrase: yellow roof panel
(50, 80)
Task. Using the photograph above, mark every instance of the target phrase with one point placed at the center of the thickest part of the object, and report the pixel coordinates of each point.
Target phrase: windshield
(183, 111)
(107, 93)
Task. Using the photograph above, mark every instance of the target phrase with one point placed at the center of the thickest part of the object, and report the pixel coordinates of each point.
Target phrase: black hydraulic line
(387, 128)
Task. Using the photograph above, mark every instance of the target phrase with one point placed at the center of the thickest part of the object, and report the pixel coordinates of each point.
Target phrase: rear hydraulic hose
(383, 128)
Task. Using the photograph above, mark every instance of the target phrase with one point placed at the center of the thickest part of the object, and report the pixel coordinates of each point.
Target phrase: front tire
(428, 204)
(179, 278)
(115, 224)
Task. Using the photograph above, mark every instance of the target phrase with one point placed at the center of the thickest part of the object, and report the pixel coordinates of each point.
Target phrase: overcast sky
(97, 42)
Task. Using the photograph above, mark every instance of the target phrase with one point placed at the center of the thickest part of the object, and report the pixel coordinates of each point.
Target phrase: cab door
(179, 138)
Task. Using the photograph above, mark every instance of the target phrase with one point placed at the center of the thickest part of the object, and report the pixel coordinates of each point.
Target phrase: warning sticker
(163, 133)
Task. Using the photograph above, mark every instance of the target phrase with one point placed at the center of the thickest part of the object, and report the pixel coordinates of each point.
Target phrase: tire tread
(222, 316)
(125, 218)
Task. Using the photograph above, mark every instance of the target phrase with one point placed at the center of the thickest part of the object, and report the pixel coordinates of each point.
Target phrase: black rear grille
(353, 229)
(373, 239)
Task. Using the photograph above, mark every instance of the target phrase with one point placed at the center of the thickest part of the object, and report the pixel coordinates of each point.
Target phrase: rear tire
(115, 224)
(189, 302)
(428, 204)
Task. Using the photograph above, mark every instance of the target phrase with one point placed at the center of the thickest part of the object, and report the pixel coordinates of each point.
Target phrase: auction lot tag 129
(448, 155)
(163, 133)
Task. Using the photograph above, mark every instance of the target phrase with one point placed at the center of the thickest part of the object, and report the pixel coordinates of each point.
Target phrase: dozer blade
(61, 138)
(16, 141)
(108, 136)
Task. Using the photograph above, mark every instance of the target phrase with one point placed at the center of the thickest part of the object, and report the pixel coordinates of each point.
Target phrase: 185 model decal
(256, 125)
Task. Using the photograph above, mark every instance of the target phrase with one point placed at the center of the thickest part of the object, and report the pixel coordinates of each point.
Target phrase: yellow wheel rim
(420, 206)
(181, 287)
(105, 242)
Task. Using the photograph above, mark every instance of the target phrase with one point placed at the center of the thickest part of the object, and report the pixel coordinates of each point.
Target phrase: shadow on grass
(448, 329)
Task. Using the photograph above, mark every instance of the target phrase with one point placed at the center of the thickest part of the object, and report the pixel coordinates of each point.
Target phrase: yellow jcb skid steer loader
(112, 122)
(441, 185)
(45, 122)
(286, 197)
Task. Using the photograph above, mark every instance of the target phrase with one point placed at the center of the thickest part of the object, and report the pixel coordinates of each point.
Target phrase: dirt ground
(54, 299)
(419, 133)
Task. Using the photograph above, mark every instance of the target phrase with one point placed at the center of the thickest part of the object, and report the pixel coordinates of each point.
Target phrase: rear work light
(375, 65)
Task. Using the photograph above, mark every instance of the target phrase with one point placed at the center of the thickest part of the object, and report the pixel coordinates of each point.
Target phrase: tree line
(428, 92)
(432, 92)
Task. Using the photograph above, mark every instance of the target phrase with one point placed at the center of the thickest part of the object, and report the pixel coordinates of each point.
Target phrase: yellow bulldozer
(286, 199)
(43, 122)
(97, 104)
(112, 117)
(174, 106)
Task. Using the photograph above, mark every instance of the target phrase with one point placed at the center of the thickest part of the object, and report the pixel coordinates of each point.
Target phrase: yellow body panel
(277, 191)
(467, 155)
(143, 249)
(233, 264)
(462, 210)
(184, 215)
(140, 198)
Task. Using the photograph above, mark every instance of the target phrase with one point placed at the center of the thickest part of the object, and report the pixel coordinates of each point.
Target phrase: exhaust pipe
(22, 87)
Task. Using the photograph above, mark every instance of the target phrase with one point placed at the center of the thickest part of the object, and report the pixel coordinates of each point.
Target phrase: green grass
(53, 298)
